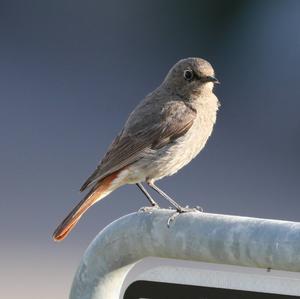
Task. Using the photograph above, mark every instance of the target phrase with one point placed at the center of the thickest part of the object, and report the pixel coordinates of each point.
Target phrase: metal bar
(196, 236)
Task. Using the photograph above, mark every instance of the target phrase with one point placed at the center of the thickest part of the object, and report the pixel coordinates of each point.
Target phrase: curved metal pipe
(193, 236)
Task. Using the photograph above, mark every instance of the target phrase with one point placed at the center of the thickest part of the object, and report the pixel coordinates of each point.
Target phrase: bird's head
(191, 76)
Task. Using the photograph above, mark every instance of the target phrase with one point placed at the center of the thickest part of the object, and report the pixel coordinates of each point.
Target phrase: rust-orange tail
(99, 191)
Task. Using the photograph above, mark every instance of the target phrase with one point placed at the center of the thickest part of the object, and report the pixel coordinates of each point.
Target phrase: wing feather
(153, 133)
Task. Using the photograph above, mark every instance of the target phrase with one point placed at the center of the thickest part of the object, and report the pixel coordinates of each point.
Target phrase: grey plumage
(134, 143)
(162, 134)
(163, 116)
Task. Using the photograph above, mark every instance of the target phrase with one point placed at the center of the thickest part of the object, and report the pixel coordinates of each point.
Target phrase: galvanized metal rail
(212, 238)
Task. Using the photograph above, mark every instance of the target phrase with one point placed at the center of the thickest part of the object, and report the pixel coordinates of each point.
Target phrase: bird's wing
(144, 137)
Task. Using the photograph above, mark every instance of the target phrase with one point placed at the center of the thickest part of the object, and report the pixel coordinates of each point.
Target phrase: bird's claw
(199, 209)
(149, 209)
(183, 210)
(172, 218)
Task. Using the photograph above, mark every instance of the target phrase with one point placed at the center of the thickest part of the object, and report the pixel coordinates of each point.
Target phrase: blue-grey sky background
(71, 72)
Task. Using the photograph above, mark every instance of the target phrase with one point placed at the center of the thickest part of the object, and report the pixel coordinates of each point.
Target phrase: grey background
(71, 72)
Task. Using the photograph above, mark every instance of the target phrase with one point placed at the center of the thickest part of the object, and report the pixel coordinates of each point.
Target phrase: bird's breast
(169, 159)
(189, 145)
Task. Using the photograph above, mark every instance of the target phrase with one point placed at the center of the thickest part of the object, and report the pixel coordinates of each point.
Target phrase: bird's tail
(99, 191)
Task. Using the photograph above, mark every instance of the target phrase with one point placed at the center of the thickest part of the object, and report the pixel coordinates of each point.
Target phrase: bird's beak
(212, 79)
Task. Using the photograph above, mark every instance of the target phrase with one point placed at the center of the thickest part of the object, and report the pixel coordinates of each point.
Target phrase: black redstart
(162, 134)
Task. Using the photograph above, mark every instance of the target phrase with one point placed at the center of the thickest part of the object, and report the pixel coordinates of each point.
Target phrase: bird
(165, 131)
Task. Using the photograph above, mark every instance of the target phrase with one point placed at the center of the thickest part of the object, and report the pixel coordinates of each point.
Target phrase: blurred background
(71, 72)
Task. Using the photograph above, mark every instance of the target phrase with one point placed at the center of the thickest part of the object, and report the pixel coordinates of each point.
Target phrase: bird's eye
(188, 75)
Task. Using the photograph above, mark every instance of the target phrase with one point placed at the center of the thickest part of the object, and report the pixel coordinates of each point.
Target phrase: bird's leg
(153, 203)
(166, 196)
(178, 207)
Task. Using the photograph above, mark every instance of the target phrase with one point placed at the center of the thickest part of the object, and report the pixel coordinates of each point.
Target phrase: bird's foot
(149, 209)
(182, 210)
